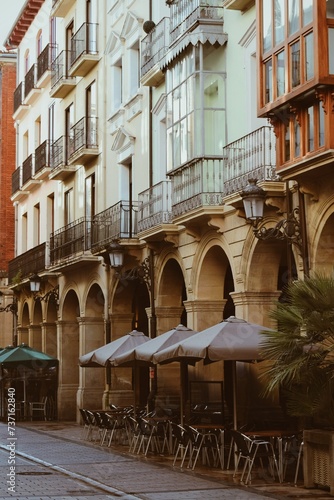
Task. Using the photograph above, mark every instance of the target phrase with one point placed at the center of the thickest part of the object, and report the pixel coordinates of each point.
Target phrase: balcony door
(91, 14)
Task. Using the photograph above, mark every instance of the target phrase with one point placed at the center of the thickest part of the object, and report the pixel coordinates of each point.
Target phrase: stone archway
(24, 321)
(324, 251)
(68, 355)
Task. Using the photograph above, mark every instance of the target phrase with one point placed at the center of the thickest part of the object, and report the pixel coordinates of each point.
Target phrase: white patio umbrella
(233, 339)
(106, 353)
(143, 354)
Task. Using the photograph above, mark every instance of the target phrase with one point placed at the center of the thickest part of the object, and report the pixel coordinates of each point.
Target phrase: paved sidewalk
(64, 466)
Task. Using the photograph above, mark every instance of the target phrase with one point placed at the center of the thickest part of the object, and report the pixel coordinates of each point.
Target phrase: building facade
(140, 123)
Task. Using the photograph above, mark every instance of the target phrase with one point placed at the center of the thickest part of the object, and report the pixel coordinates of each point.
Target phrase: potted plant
(301, 354)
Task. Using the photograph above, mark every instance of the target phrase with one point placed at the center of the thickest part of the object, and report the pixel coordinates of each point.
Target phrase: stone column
(255, 306)
(35, 337)
(91, 379)
(167, 318)
(68, 354)
(22, 335)
(49, 339)
(204, 313)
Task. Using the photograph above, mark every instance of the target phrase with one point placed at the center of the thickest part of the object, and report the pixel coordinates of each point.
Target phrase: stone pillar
(204, 313)
(255, 306)
(68, 354)
(35, 337)
(91, 380)
(167, 318)
(22, 335)
(49, 339)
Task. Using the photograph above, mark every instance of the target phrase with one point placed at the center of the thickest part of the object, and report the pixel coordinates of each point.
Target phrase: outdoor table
(279, 435)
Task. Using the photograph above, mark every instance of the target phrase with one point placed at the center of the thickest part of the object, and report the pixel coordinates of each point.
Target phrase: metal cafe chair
(182, 441)
(251, 449)
(38, 408)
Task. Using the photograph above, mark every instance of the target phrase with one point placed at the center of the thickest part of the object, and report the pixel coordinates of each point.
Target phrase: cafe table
(274, 434)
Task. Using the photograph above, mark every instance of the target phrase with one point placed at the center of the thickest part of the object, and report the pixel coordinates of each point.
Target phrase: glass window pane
(268, 81)
(331, 50)
(310, 129)
(294, 15)
(296, 129)
(321, 125)
(309, 57)
(280, 72)
(330, 9)
(287, 155)
(295, 64)
(307, 11)
(279, 20)
(267, 26)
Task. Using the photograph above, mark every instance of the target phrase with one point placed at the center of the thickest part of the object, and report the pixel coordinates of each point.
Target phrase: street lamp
(288, 229)
(11, 307)
(35, 285)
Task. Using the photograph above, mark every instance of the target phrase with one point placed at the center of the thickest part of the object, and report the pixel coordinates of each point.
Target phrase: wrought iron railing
(198, 184)
(59, 68)
(154, 46)
(155, 206)
(84, 41)
(251, 156)
(33, 261)
(16, 180)
(27, 172)
(44, 61)
(83, 134)
(58, 153)
(18, 96)
(118, 221)
(184, 13)
(70, 240)
(30, 80)
(41, 156)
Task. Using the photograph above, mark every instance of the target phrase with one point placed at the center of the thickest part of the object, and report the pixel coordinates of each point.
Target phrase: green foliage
(302, 350)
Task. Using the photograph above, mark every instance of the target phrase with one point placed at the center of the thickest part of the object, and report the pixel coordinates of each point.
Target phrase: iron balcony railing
(84, 41)
(155, 206)
(251, 156)
(27, 172)
(58, 153)
(185, 13)
(16, 180)
(41, 156)
(30, 80)
(60, 67)
(83, 134)
(31, 262)
(18, 96)
(70, 240)
(154, 46)
(118, 221)
(198, 184)
(44, 60)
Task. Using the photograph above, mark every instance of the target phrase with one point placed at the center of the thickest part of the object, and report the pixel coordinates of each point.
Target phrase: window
(37, 225)
(295, 64)
(26, 62)
(39, 47)
(91, 112)
(280, 72)
(134, 66)
(309, 57)
(69, 206)
(117, 88)
(69, 132)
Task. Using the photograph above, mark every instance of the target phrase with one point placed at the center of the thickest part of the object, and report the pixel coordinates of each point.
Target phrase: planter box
(318, 460)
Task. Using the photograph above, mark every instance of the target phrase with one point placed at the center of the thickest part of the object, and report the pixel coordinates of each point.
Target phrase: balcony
(116, 222)
(17, 192)
(70, 241)
(34, 261)
(251, 156)
(238, 4)
(31, 92)
(153, 49)
(186, 15)
(83, 143)
(28, 179)
(19, 107)
(197, 189)
(61, 7)
(84, 50)
(155, 212)
(58, 159)
(44, 65)
(61, 82)
(42, 164)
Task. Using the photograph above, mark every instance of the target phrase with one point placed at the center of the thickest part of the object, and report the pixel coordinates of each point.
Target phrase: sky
(9, 10)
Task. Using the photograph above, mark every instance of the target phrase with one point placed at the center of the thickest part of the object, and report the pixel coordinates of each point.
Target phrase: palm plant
(301, 351)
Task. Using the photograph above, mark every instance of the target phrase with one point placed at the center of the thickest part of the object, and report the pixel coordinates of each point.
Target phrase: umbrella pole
(234, 385)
